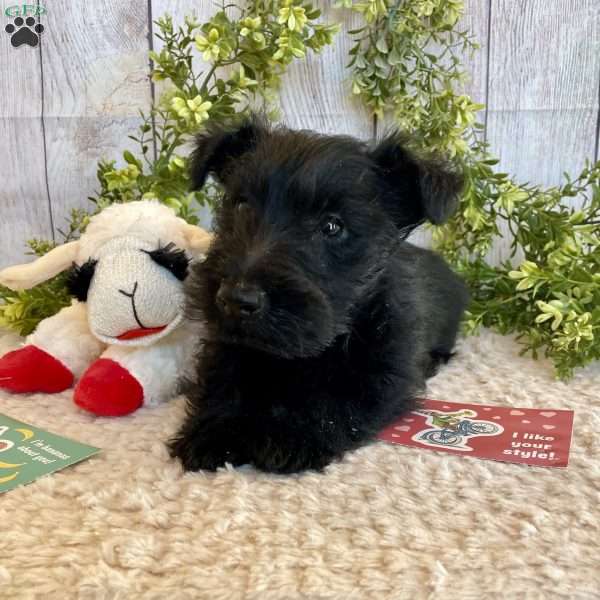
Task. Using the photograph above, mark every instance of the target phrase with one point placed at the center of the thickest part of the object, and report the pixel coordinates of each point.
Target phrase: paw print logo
(24, 32)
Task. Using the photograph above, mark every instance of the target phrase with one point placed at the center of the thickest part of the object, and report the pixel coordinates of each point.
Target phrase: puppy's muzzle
(241, 301)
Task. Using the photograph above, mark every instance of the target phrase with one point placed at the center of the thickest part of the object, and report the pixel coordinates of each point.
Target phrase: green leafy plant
(407, 66)
(246, 50)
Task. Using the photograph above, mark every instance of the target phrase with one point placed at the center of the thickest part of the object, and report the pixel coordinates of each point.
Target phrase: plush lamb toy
(122, 338)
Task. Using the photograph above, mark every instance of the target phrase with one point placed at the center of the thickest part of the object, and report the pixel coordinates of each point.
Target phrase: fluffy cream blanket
(387, 523)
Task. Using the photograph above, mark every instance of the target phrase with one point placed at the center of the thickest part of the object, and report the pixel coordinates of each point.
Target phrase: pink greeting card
(525, 435)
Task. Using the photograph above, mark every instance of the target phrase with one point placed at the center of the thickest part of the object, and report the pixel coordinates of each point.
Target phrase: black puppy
(323, 323)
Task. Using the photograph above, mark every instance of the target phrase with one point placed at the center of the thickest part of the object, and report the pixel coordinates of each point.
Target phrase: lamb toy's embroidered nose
(135, 315)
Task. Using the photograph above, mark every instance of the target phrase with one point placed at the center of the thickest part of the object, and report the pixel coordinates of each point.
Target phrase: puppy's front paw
(285, 462)
(202, 451)
(283, 452)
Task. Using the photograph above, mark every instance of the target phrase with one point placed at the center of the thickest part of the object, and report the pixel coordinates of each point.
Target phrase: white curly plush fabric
(388, 522)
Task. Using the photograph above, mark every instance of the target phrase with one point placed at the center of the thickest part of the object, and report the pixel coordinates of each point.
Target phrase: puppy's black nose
(240, 300)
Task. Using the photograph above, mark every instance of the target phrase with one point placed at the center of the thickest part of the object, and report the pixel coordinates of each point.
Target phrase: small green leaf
(130, 158)
(382, 46)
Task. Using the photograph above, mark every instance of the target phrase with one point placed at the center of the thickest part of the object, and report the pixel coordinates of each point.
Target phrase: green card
(27, 453)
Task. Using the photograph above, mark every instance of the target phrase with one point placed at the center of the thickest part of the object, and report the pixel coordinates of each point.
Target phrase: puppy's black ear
(420, 188)
(219, 145)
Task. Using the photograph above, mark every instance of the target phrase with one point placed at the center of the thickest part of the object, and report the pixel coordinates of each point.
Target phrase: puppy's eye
(172, 258)
(332, 227)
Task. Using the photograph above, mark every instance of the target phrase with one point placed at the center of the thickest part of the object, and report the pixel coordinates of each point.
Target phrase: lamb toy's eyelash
(172, 258)
(79, 279)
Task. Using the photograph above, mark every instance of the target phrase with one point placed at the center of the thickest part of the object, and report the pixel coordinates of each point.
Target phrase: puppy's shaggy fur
(323, 322)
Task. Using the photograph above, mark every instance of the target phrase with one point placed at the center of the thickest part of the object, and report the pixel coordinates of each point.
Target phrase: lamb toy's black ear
(219, 145)
(420, 188)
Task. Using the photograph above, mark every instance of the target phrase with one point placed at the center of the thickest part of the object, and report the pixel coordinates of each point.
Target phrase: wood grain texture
(543, 86)
(179, 9)
(95, 76)
(74, 145)
(23, 201)
(24, 206)
(543, 89)
(476, 21)
(316, 92)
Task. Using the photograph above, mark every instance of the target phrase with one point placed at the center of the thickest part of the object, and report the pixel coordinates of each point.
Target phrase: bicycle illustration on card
(454, 429)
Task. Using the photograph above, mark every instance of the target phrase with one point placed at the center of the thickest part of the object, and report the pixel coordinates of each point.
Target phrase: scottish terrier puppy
(323, 322)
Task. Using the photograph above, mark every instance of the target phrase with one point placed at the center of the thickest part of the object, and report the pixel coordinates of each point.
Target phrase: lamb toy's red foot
(108, 390)
(30, 369)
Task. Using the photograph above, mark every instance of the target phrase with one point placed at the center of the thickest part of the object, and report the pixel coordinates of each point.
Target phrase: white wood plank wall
(75, 97)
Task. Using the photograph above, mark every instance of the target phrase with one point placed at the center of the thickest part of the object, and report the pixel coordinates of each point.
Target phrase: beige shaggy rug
(387, 523)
